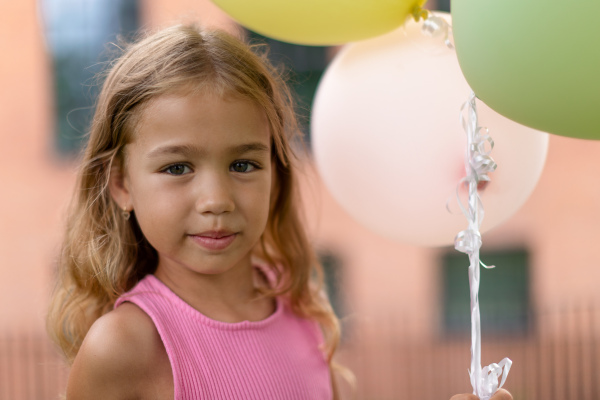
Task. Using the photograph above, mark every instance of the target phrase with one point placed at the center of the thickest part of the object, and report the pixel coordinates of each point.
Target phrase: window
(306, 64)
(443, 5)
(333, 281)
(76, 34)
(503, 293)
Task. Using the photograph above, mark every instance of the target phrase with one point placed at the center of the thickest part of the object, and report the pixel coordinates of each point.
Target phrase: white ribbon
(478, 164)
(436, 26)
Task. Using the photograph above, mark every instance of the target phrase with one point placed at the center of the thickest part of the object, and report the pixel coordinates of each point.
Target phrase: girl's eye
(243, 166)
(177, 169)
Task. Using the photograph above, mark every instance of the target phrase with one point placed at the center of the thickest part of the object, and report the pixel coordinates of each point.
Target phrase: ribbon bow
(489, 378)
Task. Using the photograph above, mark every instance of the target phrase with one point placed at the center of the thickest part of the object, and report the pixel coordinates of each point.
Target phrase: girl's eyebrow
(187, 150)
(248, 147)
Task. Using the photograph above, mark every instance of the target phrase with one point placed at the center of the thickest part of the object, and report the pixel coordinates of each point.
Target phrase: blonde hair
(103, 255)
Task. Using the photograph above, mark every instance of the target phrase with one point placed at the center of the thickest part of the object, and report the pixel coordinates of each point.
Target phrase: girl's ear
(118, 186)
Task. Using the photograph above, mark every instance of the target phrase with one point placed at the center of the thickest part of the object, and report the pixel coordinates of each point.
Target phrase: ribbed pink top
(276, 358)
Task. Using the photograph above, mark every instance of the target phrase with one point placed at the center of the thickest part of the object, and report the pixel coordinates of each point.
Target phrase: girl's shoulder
(122, 356)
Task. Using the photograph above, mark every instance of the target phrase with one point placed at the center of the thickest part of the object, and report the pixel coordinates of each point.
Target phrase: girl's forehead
(209, 88)
(211, 117)
(195, 98)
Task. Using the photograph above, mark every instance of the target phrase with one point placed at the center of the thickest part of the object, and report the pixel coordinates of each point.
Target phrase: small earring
(126, 214)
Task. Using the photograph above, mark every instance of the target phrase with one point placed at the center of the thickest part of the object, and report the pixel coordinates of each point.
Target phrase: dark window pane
(77, 33)
(503, 293)
(332, 269)
(443, 5)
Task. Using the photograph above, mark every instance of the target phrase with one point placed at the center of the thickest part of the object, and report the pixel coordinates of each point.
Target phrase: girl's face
(199, 179)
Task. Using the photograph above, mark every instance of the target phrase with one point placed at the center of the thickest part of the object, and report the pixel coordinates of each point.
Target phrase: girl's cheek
(260, 193)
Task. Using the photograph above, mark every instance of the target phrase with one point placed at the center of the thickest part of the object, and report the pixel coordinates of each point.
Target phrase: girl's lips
(214, 243)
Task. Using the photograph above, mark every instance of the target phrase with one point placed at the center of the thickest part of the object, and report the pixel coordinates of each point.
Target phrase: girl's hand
(501, 394)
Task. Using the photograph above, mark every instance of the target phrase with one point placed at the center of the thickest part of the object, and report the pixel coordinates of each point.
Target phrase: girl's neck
(231, 296)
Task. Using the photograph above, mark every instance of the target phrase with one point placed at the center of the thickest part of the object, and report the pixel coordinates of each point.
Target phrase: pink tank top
(276, 358)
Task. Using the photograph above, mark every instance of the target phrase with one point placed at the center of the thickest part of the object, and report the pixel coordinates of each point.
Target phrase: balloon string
(478, 164)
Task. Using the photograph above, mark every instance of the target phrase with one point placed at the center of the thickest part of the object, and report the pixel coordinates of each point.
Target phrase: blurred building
(404, 308)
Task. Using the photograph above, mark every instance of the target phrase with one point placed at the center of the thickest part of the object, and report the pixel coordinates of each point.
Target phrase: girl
(185, 272)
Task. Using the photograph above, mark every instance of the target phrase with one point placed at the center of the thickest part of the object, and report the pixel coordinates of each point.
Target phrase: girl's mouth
(214, 243)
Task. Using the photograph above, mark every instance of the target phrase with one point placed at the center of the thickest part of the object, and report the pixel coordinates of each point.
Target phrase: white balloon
(389, 145)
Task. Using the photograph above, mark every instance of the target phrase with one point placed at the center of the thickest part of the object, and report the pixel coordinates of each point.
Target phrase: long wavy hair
(103, 255)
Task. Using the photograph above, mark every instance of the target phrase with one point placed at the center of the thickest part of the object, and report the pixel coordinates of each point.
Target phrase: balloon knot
(419, 12)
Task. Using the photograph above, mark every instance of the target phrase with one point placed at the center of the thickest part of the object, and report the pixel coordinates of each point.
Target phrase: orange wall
(35, 185)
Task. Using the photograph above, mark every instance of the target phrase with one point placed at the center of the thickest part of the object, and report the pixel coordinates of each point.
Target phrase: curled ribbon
(490, 376)
(478, 164)
(434, 25)
(467, 241)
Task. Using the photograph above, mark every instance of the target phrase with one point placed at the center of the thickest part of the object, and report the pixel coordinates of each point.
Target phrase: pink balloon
(389, 145)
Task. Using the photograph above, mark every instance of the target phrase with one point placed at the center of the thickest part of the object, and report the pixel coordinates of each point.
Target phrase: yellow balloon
(320, 22)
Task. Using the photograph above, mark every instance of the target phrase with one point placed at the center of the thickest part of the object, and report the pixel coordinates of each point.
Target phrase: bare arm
(114, 359)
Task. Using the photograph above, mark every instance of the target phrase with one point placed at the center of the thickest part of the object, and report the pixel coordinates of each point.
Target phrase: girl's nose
(215, 195)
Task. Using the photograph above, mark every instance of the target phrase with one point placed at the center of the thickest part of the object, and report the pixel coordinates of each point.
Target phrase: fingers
(502, 394)
(467, 397)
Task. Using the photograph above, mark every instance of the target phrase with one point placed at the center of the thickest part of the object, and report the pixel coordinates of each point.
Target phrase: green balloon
(536, 62)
